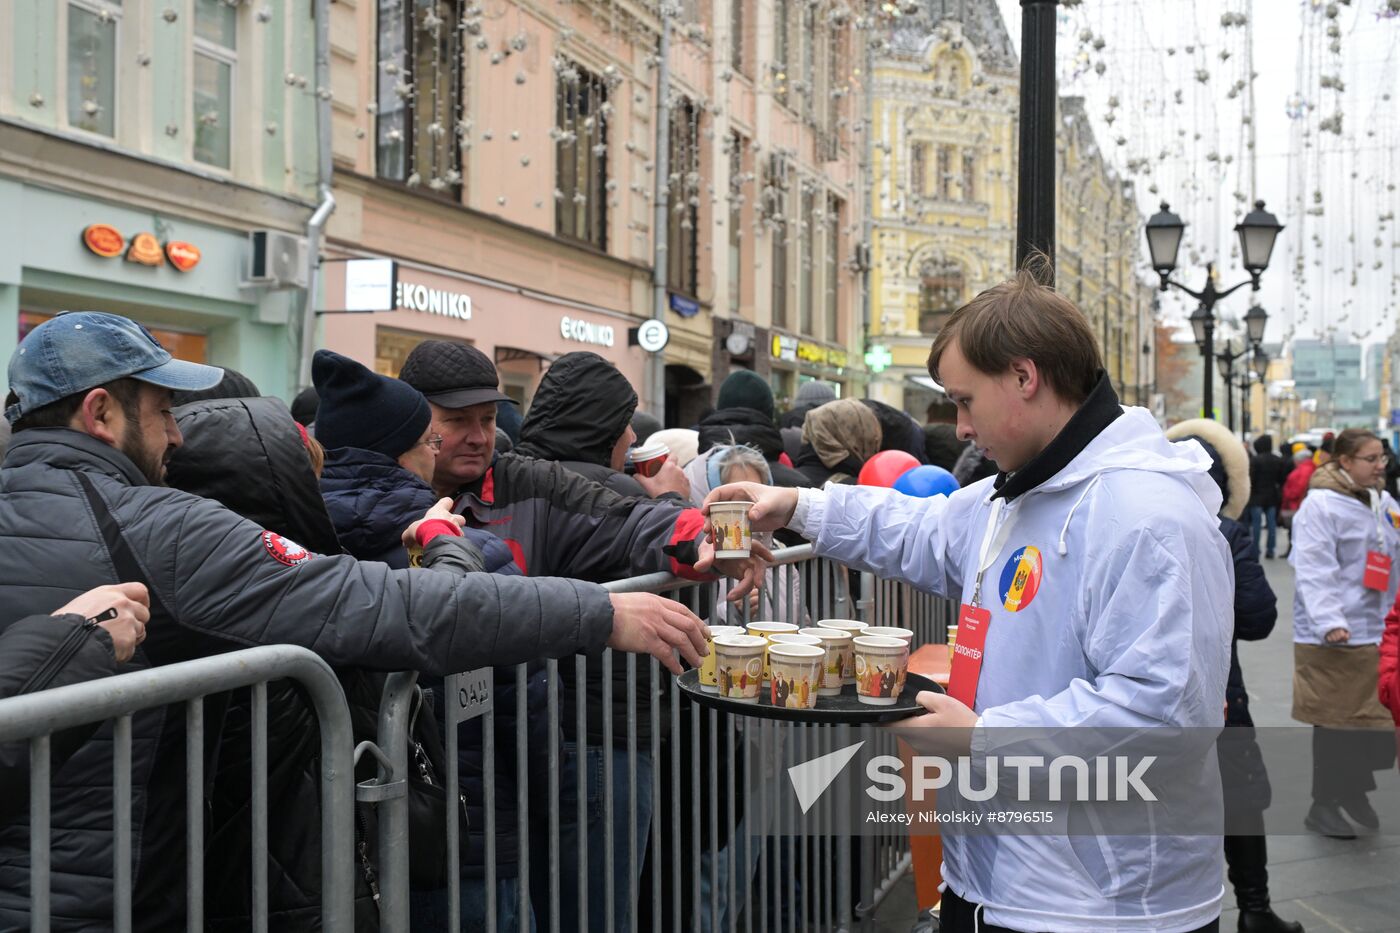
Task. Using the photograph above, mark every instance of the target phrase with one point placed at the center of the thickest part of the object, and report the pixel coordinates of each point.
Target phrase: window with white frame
(92, 65)
(215, 56)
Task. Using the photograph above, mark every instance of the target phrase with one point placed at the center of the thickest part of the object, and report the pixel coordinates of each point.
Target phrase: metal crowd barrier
(668, 872)
(37, 716)
(671, 873)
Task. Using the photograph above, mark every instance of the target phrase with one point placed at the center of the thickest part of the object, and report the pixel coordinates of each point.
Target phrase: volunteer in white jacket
(1109, 591)
(1346, 541)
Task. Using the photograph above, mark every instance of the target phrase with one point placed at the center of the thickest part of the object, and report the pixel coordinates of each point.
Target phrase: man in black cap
(558, 521)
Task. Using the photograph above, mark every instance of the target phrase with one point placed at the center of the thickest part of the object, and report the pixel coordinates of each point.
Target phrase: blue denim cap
(81, 350)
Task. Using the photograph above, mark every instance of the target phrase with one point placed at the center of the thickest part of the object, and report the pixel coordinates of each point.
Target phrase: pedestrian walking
(1346, 538)
(1267, 474)
(1243, 775)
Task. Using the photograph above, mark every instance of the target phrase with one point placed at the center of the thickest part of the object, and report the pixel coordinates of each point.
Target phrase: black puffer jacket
(38, 653)
(221, 583)
(898, 431)
(583, 405)
(755, 429)
(1256, 611)
(246, 454)
(371, 500)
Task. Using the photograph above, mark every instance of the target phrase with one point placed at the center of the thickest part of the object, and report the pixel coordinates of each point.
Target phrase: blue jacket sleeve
(1256, 607)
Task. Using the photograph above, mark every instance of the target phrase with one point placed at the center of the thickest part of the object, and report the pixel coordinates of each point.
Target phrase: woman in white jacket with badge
(1346, 540)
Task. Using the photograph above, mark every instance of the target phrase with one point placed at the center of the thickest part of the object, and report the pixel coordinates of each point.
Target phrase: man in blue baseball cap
(82, 505)
(61, 361)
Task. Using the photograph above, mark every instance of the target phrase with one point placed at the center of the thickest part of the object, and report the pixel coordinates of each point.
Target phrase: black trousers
(956, 916)
(1345, 761)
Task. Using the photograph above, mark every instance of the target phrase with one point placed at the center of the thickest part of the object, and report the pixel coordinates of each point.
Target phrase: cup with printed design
(838, 656)
(708, 675)
(647, 459)
(730, 523)
(739, 666)
(854, 628)
(766, 630)
(952, 641)
(890, 631)
(797, 673)
(881, 666)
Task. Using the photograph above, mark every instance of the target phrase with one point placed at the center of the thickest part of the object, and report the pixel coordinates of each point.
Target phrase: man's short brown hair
(1022, 318)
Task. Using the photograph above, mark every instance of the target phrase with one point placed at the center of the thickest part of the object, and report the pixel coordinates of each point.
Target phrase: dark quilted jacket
(372, 500)
(227, 585)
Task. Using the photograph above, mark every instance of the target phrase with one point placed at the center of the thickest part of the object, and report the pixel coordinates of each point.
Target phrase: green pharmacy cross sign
(877, 358)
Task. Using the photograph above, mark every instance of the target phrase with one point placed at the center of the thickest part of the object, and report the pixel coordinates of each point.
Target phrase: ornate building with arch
(943, 201)
(944, 182)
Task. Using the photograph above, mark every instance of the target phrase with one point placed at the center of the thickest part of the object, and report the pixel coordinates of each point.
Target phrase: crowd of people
(154, 511)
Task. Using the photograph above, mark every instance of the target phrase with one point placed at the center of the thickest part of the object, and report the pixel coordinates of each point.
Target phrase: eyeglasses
(434, 441)
(1382, 459)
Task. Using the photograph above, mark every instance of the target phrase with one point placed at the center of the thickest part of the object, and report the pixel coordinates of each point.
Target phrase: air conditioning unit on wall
(276, 259)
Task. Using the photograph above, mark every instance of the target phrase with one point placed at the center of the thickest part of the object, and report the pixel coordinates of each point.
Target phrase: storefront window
(183, 345)
(392, 347)
(92, 65)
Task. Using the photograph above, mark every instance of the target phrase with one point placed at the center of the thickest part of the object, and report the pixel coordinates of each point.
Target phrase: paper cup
(853, 628)
(708, 682)
(881, 666)
(797, 673)
(739, 666)
(766, 630)
(889, 631)
(839, 656)
(952, 640)
(731, 524)
(647, 459)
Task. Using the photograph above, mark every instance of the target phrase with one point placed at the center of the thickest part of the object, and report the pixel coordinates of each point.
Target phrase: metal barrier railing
(667, 818)
(37, 716)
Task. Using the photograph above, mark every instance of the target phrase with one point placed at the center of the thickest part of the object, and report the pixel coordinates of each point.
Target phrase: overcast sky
(1176, 118)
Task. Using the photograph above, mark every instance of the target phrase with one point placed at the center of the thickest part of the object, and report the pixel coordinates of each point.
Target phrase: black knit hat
(745, 388)
(363, 409)
(453, 375)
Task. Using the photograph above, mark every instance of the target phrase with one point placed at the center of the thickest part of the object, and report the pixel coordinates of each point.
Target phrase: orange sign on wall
(106, 241)
(145, 249)
(183, 256)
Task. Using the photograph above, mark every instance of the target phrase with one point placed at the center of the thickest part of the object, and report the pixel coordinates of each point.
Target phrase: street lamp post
(1257, 232)
(1227, 358)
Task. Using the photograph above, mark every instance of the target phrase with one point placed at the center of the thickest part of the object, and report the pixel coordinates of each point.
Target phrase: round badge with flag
(1020, 578)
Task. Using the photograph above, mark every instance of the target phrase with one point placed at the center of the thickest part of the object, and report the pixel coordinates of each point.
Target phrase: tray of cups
(837, 671)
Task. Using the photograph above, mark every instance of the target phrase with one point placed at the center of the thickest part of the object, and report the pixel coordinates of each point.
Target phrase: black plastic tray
(844, 708)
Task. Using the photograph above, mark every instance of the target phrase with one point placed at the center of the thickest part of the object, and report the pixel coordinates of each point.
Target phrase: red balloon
(886, 467)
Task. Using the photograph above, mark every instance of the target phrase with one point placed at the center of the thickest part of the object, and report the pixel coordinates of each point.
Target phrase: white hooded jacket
(1124, 621)
(1331, 536)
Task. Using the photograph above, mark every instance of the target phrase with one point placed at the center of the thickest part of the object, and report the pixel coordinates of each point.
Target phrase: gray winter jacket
(219, 582)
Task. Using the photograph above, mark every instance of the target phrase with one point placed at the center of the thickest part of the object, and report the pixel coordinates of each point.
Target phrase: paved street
(1325, 884)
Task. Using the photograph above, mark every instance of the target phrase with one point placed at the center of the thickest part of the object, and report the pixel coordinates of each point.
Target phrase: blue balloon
(925, 481)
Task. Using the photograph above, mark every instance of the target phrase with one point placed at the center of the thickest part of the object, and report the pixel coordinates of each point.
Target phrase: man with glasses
(381, 451)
